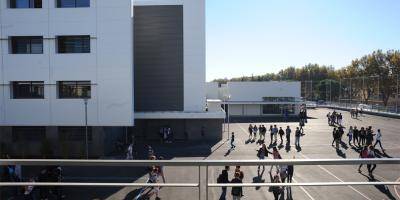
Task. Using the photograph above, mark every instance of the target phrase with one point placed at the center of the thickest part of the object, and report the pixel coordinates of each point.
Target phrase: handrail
(301, 184)
(86, 184)
(194, 163)
(138, 163)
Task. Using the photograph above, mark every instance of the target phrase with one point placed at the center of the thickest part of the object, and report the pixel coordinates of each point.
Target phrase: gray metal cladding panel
(158, 58)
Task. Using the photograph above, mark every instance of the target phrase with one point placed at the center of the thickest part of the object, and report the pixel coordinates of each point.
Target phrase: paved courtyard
(315, 144)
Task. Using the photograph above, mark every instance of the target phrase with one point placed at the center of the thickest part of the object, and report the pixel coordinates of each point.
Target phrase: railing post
(199, 182)
(206, 182)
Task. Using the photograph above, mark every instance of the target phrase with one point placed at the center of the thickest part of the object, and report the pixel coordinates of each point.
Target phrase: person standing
(297, 137)
(255, 129)
(379, 139)
(233, 140)
(237, 192)
(129, 153)
(281, 133)
(271, 133)
(223, 178)
(250, 132)
(275, 134)
(369, 138)
(350, 134)
(356, 136)
(288, 131)
(362, 136)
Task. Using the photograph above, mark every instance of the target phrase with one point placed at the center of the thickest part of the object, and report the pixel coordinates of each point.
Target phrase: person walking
(237, 192)
(350, 134)
(276, 190)
(333, 136)
(371, 155)
(275, 134)
(363, 155)
(288, 131)
(379, 139)
(233, 141)
(223, 178)
(297, 137)
(290, 171)
(129, 153)
(262, 152)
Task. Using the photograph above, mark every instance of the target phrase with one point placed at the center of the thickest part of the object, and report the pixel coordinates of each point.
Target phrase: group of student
(334, 118)
(274, 132)
(364, 137)
(355, 112)
(154, 173)
(236, 192)
(13, 173)
(283, 173)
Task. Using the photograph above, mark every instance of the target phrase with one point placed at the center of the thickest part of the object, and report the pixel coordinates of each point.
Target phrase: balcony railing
(196, 163)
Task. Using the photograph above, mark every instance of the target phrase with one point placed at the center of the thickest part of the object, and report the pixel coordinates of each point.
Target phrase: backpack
(219, 179)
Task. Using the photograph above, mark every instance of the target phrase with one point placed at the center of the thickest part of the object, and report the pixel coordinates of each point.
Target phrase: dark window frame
(13, 44)
(28, 133)
(17, 94)
(76, 4)
(63, 48)
(32, 4)
(63, 93)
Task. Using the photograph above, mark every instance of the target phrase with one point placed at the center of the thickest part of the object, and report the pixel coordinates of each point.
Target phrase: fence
(196, 163)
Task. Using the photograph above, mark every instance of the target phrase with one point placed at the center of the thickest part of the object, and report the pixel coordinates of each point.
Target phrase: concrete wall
(212, 90)
(183, 129)
(108, 66)
(255, 91)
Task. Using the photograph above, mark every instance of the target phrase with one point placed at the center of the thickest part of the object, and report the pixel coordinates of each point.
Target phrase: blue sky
(247, 37)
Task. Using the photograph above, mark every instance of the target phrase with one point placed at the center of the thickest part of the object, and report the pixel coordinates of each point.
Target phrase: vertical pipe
(340, 91)
(363, 89)
(228, 121)
(330, 91)
(86, 130)
(351, 92)
(397, 95)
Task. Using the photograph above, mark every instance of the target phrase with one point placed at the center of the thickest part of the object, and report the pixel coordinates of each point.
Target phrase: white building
(259, 99)
(55, 54)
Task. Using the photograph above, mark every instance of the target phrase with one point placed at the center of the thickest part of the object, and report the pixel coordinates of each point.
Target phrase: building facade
(258, 99)
(105, 64)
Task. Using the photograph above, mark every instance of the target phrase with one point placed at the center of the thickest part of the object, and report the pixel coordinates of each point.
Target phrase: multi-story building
(108, 64)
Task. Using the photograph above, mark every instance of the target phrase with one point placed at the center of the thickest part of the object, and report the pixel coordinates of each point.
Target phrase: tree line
(380, 66)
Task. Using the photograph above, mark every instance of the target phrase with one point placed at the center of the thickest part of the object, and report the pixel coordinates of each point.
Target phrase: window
(272, 109)
(25, 3)
(28, 133)
(27, 89)
(26, 44)
(74, 44)
(74, 89)
(279, 99)
(74, 133)
(72, 3)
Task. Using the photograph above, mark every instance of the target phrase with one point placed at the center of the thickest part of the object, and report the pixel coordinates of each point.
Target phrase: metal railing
(195, 163)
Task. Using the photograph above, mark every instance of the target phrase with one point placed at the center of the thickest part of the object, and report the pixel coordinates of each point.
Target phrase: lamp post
(85, 101)
(226, 100)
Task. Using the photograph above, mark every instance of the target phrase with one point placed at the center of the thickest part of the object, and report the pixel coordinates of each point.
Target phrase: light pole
(226, 99)
(397, 95)
(85, 101)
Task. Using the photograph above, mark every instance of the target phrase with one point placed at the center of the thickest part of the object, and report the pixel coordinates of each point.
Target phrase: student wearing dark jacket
(223, 178)
(237, 192)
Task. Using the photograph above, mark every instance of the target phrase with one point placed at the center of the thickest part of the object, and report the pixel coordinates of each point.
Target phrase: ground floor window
(28, 133)
(278, 109)
(74, 133)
